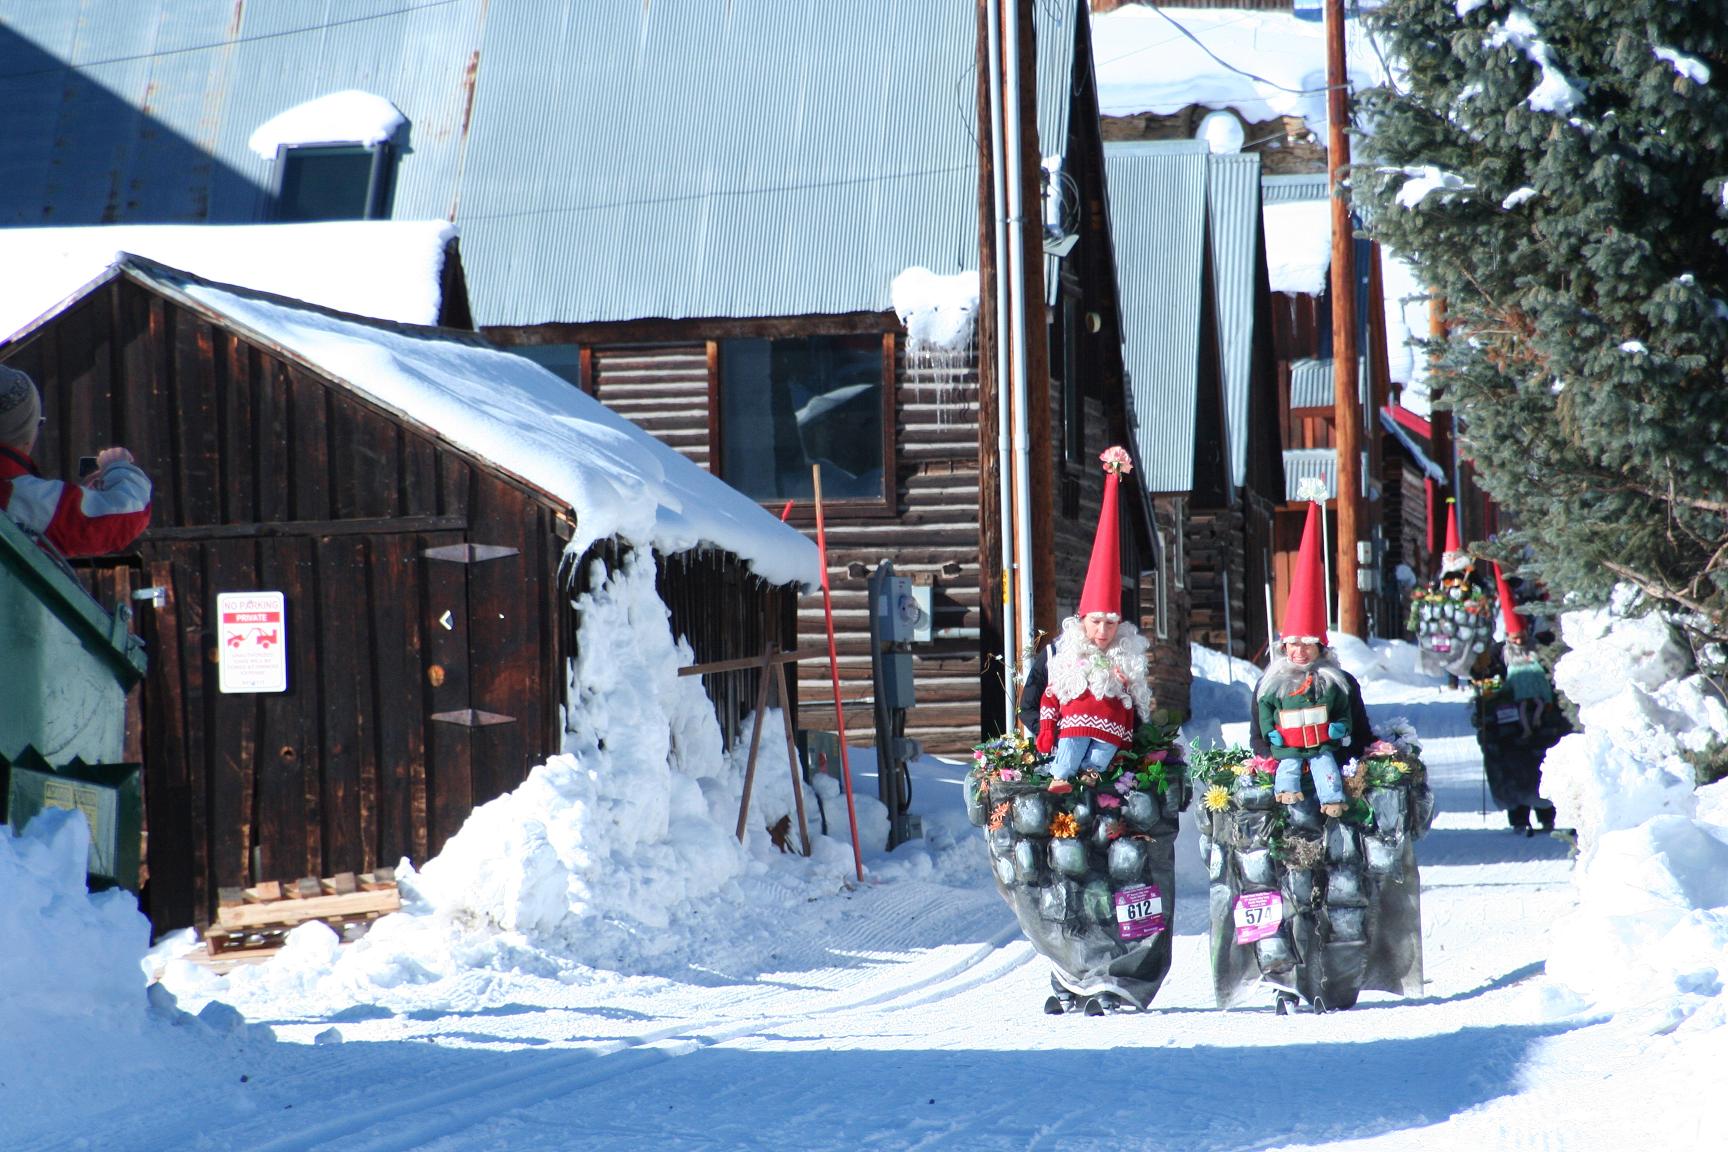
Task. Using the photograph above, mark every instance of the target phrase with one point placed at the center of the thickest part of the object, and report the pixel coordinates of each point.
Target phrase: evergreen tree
(1558, 171)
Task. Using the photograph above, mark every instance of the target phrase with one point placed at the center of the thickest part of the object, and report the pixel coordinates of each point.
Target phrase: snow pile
(939, 312)
(1298, 246)
(349, 117)
(618, 856)
(388, 269)
(71, 959)
(1426, 181)
(1650, 933)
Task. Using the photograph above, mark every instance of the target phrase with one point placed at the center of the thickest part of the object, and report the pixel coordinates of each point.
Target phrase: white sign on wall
(252, 637)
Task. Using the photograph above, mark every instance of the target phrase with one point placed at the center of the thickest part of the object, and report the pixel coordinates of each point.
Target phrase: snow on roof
(1259, 64)
(388, 269)
(349, 117)
(619, 480)
(1298, 245)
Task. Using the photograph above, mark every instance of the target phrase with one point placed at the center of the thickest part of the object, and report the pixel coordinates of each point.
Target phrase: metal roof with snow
(1157, 197)
(1233, 208)
(608, 160)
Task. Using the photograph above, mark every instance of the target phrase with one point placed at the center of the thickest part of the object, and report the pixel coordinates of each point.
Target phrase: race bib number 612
(1139, 912)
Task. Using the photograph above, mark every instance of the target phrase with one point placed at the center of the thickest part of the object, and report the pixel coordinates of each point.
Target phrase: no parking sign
(252, 642)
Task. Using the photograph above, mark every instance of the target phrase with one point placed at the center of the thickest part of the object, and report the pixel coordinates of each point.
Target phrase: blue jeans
(1328, 784)
(1075, 752)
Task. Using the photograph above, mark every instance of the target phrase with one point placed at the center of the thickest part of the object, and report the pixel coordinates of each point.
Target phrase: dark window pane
(564, 359)
(326, 184)
(788, 404)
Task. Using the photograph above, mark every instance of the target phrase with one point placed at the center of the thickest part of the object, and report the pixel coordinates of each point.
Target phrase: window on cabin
(334, 182)
(788, 404)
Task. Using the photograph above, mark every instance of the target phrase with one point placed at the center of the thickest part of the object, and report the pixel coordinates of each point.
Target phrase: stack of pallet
(252, 922)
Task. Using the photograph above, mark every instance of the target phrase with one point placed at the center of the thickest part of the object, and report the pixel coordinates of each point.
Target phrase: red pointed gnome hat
(1508, 608)
(1103, 589)
(1453, 544)
(1305, 611)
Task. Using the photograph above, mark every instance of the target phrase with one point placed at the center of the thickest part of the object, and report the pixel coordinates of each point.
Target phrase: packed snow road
(908, 1015)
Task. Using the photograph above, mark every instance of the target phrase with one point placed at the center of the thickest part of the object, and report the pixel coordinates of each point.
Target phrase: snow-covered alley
(908, 1014)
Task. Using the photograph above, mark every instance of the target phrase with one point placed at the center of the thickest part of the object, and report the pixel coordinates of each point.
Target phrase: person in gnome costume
(1526, 678)
(1303, 702)
(105, 513)
(1453, 618)
(1094, 690)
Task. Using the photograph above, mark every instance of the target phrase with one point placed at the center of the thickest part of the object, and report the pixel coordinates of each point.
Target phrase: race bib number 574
(1258, 915)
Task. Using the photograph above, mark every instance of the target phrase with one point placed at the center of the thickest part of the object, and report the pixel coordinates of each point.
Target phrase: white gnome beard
(1078, 666)
(1283, 676)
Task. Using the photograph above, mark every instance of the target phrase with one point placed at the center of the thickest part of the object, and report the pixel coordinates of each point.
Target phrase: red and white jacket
(77, 519)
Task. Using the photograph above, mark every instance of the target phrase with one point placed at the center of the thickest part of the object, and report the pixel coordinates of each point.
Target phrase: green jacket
(1321, 694)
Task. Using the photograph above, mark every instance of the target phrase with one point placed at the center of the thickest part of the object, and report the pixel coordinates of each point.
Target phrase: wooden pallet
(255, 920)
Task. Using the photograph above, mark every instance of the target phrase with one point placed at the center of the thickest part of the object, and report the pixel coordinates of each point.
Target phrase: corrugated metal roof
(1319, 464)
(1311, 383)
(1233, 203)
(1157, 198)
(607, 160)
(1299, 186)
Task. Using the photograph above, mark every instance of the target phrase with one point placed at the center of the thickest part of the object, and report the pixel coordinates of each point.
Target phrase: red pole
(834, 669)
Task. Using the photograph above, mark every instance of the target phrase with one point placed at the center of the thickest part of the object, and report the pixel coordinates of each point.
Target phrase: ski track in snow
(915, 1021)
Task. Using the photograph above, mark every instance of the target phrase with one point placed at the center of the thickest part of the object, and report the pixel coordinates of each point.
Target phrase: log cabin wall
(419, 687)
(664, 375)
(932, 538)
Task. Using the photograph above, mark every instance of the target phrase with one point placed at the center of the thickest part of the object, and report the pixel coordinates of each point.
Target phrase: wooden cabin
(423, 552)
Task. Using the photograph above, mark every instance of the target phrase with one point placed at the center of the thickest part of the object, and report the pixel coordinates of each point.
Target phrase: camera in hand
(86, 466)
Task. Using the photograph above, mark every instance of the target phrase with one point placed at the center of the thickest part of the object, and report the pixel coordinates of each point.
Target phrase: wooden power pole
(1347, 416)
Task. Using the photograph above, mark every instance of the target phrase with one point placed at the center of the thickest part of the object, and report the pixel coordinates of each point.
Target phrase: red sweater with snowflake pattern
(1110, 719)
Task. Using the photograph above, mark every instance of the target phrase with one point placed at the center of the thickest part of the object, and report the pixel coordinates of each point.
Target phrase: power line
(1219, 59)
(68, 66)
(683, 197)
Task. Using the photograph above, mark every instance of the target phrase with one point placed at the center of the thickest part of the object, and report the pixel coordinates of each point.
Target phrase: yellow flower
(1243, 769)
(1216, 799)
(1064, 826)
(1399, 767)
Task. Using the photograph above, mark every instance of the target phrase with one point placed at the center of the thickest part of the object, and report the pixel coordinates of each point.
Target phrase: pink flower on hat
(1115, 459)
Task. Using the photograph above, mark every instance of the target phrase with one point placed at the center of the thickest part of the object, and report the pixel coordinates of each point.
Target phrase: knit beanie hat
(20, 408)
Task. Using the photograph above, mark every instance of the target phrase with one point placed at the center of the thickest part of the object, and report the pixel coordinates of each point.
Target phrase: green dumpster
(66, 665)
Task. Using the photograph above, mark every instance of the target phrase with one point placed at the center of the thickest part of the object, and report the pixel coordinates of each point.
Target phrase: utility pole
(1441, 423)
(1347, 416)
(1016, 542)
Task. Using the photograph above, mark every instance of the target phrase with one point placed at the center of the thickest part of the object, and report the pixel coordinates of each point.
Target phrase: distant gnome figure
(105, 513)
(1526, 676)
(1094, 677)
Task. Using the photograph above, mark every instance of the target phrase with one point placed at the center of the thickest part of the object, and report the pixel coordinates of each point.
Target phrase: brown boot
(1333, 810)
(1289, 797)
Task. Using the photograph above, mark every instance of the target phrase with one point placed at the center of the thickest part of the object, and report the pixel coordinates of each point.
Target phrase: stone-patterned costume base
(1099, 905)
(1350, 920)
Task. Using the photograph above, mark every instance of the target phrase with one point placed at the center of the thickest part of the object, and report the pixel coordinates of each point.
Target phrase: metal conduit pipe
(1005, 494)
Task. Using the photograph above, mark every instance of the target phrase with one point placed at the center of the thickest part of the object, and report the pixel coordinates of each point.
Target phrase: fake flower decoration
(1115, 459)
(1063, 826)
(999, 815)
(1216, 798)
(1010, 765)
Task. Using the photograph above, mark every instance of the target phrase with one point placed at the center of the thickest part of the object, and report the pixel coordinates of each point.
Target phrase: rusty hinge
(472, 718)
(469, 553)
